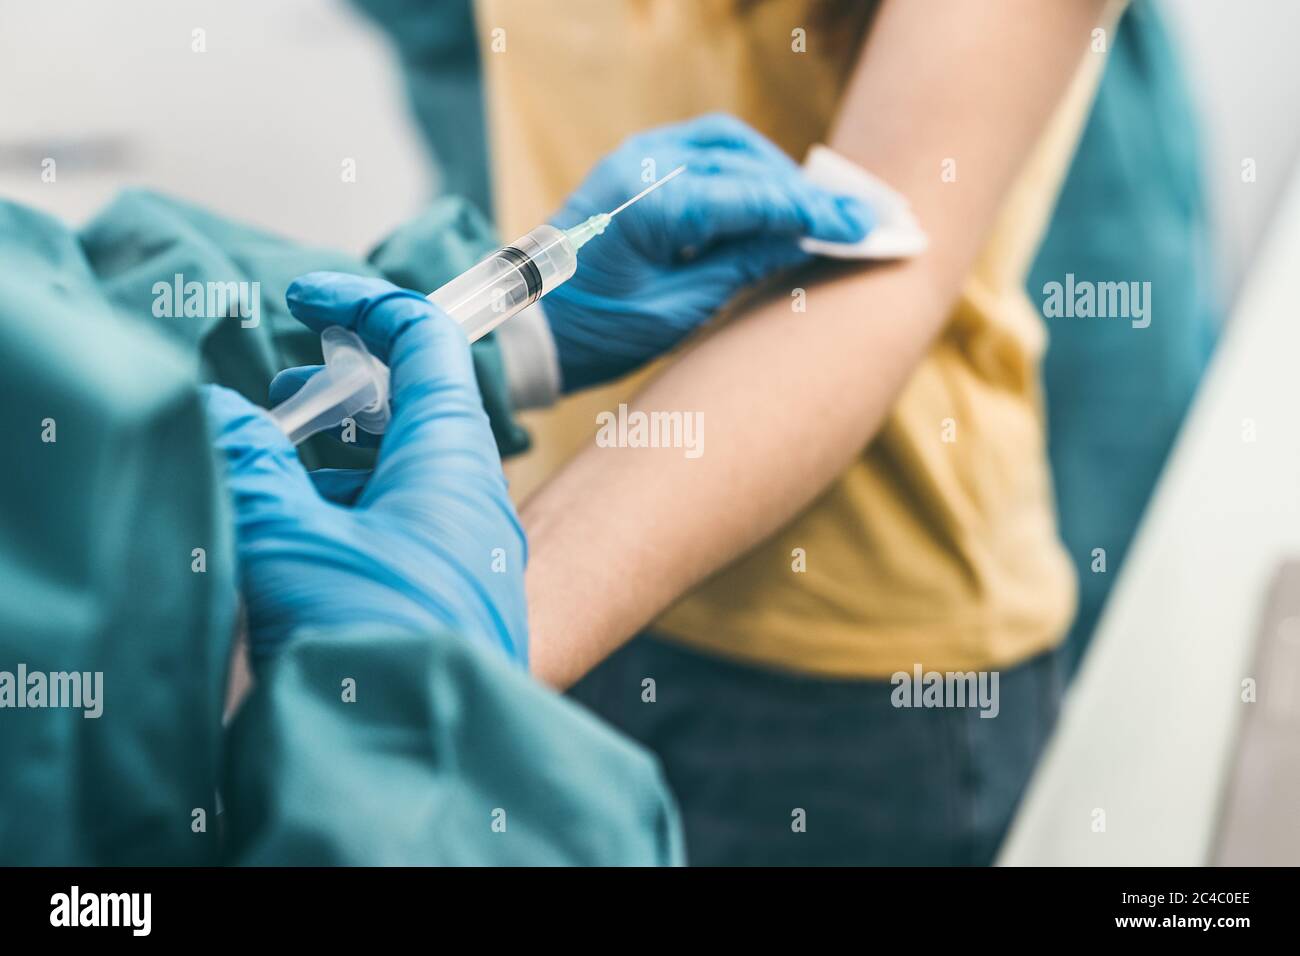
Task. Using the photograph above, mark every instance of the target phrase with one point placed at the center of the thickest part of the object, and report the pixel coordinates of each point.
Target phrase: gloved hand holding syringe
(353, 384)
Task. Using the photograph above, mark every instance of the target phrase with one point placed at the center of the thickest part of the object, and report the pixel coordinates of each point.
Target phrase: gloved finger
(375, 309)
(740, 196)
(439, 434)
(733, 267)
(755, 259)
(262, 468)
(340, 485)
(724, 196)
(723, 137)
(752, 259)
(287, 382)
(723, 129)
(711, 129)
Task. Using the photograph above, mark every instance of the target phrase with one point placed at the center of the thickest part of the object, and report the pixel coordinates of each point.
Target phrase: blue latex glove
(668, 263)
(419, 547)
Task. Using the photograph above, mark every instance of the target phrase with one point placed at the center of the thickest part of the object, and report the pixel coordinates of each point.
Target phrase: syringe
(353, 384)
(517, 275)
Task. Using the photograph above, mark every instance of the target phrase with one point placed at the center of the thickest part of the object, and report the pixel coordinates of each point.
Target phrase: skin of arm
(620, 533)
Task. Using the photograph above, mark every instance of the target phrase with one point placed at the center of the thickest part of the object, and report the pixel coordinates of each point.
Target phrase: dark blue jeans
(745, 748)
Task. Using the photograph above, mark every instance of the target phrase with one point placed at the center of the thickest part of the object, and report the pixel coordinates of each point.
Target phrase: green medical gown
(116, 557)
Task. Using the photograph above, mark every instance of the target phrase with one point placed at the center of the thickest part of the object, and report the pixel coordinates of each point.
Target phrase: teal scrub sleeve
(115, 564)
(138, 245)
(370, 748)
(437, 45)
(511, 437)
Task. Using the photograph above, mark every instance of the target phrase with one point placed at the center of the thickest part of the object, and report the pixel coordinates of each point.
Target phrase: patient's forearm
(787, 400)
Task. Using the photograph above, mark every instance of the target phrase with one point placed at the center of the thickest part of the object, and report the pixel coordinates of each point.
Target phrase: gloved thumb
(439, 436)
(740, 197)
(753, 260)
(340, 485)
(287, 382)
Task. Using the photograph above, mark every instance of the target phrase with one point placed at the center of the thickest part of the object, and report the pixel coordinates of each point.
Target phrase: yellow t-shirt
(938, 545)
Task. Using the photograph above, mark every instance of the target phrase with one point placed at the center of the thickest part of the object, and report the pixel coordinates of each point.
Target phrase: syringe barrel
(508, 280)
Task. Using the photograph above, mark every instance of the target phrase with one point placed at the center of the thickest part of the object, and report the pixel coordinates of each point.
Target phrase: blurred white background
(256, 128)
(259, 125)
(1240, 57)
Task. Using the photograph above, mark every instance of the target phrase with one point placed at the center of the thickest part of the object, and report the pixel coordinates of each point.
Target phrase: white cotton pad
(896, 234)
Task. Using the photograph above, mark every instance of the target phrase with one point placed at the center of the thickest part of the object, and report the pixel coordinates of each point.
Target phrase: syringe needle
(649, 189)
(584, 232)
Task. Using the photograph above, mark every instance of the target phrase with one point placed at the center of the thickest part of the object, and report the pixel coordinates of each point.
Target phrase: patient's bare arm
(790, 398)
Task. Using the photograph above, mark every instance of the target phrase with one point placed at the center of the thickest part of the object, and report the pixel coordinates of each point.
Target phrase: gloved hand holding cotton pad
(895, 234)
